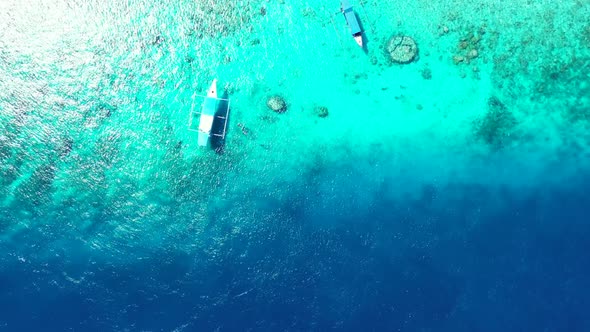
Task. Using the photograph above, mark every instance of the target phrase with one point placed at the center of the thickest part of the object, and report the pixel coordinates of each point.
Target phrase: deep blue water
(431, 264)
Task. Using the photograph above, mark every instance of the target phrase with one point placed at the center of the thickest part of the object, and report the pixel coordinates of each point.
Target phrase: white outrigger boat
(211, 116)
(352, 22)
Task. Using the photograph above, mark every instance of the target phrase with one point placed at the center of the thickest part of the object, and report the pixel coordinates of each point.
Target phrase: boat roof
(210, 105)
(345, 5)
(352, 21)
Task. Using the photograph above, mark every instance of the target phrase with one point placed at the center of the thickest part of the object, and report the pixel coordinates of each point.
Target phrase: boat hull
(208, 115)
(352, 22)
(359, 40)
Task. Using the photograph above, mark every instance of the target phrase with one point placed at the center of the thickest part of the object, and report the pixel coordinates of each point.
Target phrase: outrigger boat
(352, 21)
(210, 116)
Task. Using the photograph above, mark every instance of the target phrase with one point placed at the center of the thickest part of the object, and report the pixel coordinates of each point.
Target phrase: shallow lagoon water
(434, 196)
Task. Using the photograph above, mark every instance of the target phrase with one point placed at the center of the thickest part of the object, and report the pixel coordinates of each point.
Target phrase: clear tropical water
(441, 195)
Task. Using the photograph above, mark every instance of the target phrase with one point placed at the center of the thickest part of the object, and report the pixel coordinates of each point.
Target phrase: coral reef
(402, 49)
(277, 104)
(469, 47)
(222, 18)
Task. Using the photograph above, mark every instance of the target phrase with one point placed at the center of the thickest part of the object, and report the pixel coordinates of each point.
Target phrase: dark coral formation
(37, 189)
(496, 128)
(578, 111)
(222, 18)
(549, 64)
(567, 81)
(469, 47)
(321, 111)
(426, 73)
(585, 36)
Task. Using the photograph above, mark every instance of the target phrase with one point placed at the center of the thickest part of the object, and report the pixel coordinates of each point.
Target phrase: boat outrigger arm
(352, 21)
(209, 114)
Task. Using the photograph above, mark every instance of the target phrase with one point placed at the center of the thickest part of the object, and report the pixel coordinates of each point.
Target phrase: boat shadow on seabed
(365, 41)
(219, 124)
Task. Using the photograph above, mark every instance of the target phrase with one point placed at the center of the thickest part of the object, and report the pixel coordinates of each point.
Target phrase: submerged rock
(457, 59)
(277, 104)
(245, 130)
(321, 111)
(402, 49)
(472, 54)
(426, 73)
(157, 40)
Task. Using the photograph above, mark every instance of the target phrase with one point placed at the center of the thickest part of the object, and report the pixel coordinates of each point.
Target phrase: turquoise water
(437, 195)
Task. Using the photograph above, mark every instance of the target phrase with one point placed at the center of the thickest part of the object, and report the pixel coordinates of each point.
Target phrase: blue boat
(352, 21)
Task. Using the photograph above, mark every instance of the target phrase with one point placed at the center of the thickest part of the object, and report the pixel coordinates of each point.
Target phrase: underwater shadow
(364, 33)
(220, 127)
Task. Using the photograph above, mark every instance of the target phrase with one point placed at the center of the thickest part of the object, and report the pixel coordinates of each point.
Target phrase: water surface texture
(447, 194)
